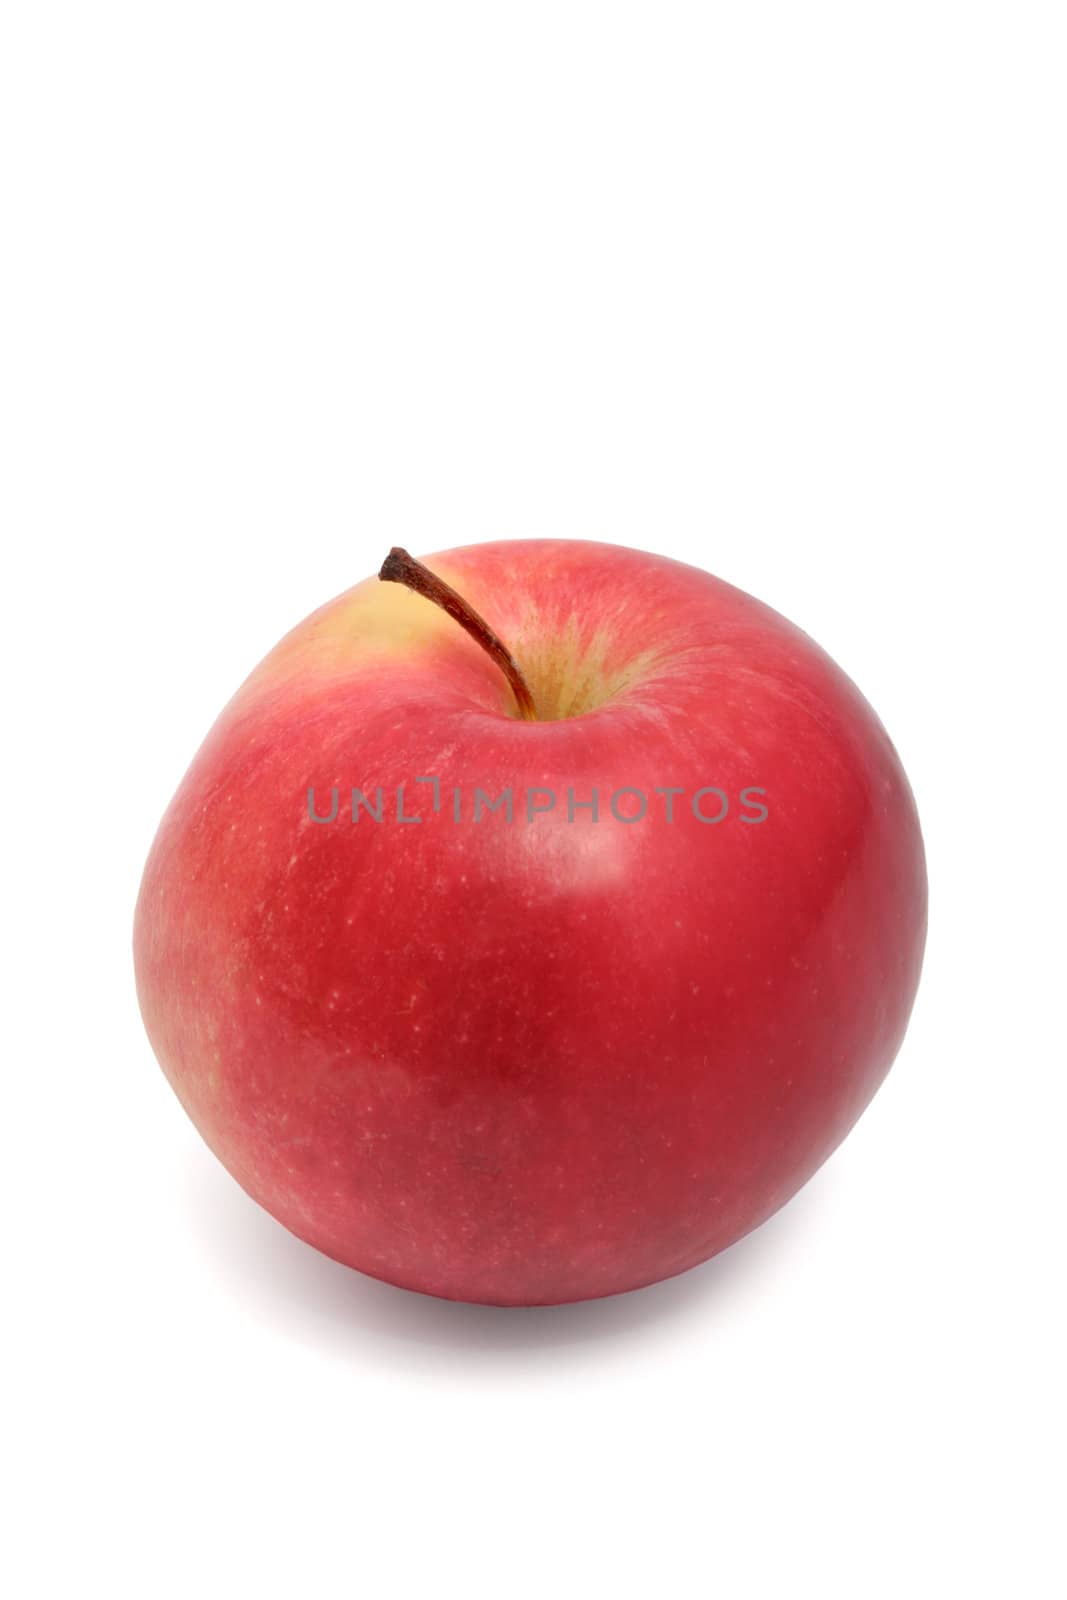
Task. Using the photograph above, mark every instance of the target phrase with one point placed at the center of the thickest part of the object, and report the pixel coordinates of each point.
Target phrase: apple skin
(539, 1062)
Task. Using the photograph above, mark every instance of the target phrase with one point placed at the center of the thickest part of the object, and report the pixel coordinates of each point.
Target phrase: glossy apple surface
(534, 1061)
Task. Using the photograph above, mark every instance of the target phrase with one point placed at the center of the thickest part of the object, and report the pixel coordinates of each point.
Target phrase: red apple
(548, 1057)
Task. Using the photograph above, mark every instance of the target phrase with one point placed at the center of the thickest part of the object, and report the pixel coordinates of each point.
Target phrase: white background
(777, 289)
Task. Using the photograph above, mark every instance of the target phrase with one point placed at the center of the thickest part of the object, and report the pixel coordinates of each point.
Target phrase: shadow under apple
(311, 1298)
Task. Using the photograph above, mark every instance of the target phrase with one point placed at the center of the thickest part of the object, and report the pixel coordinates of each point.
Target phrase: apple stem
(399, 567)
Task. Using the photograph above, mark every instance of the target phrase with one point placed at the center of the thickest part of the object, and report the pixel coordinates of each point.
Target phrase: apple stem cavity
(399, 567)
